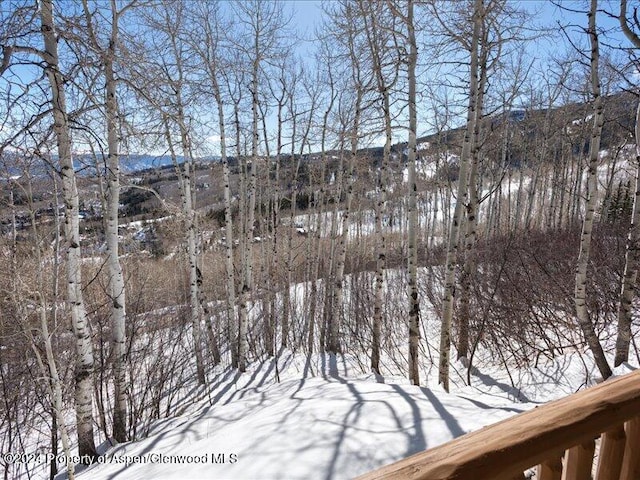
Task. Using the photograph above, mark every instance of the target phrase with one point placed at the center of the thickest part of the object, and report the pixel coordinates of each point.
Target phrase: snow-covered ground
(321, 417)
(327, 417)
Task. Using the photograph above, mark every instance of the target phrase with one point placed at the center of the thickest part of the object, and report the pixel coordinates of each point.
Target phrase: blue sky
(307, 14)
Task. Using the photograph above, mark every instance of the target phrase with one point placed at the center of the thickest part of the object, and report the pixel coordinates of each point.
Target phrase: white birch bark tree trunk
(629, 278)
(633, 240)
(461, 199)
(234, 317)
(377, 41)
(189, 222)
(263, 22)
(321, 220)
(338, 255)
(414, 305)
(84, 368)
(472, 207)
(350, 130)
(584, 320)
(247, 254)
(115, 280)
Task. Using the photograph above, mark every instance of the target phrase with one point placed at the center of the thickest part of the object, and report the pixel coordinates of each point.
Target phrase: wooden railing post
(631, 460)
(611, 452)
(551, 469)
(578, 461)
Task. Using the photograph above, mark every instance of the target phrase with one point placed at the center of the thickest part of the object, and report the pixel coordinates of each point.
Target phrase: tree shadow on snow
(492, 382)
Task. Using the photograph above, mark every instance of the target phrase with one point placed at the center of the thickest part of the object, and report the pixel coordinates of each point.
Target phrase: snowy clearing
(329, 425)
(323, 419)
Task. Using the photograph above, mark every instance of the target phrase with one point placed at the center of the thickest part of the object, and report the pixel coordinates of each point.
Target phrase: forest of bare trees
(415, 172)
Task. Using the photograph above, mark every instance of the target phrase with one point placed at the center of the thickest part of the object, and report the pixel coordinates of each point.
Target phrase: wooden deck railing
(558, 439)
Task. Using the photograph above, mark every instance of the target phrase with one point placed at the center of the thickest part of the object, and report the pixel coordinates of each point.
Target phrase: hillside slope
(321, 420)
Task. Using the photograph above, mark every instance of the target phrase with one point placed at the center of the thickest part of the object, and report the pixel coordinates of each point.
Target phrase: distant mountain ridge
(133, 163)
(13, 166)
(619, 115)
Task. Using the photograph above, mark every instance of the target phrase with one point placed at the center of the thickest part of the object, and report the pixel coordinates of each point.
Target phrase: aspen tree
(494, 34)
(210, 50)
(471, 209)
(461, 200)
(313, 94)
(584, 321)
(630, 274)
(234, 81)
(411, 61)
(350, 117)
(320, 197)
(633, 239)
(79, 319)
(185, 182)
(116, 285)
(264, 24)
(275, 215)
(296, 158)
(414, 305)
(384, 57)
(299, 140)
(280, 96)
(339, 240)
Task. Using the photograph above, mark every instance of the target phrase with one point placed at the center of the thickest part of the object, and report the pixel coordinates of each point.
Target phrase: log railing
(558, 439)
